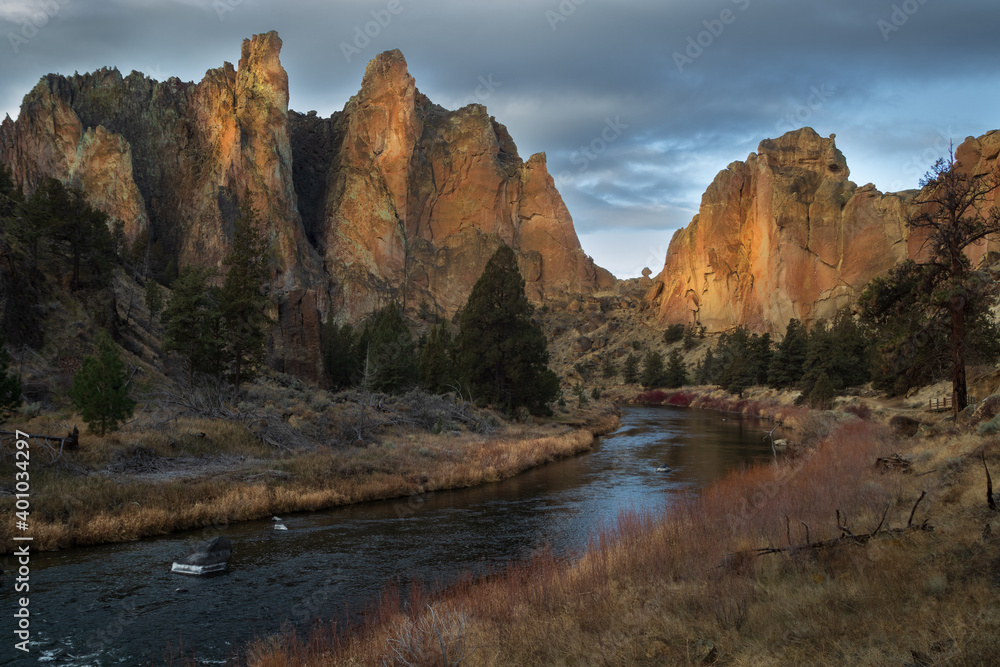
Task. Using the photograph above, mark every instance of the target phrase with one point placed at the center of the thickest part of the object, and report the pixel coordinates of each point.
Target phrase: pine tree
(705, 370)
(630, 371)
(501, 353)
(10, 385)
(100, 388)
(676, 374)
(608, 368)
(340, 354)
(154, 300)
(436, 369)
(652, 370)
(193, 324)
(387, 348)
(244, 300)
(789, 359)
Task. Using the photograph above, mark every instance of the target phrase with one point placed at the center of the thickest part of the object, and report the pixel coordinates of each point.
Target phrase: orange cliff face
(392, 198)
(415, 199)
(782, 235)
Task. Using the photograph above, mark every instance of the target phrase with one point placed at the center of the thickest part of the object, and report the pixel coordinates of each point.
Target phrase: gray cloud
(890, 78)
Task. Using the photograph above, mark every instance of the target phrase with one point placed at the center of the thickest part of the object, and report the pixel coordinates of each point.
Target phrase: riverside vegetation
(841, 554)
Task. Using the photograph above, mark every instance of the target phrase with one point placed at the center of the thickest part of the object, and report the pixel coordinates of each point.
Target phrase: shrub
(652, 397)
(681, 399)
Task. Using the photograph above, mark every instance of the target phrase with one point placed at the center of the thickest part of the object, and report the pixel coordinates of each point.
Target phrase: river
(120, 604)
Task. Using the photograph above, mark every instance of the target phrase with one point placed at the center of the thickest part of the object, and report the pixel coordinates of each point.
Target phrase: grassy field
(820, 559)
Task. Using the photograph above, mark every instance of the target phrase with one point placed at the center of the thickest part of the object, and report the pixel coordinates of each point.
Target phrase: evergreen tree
(652, 370)
(501, 353)
(436, 369)
(100, 388)
(154, 300)
(59, 226)
(244, 300)
(630, 371)
(676, 374)
(10, 385)
(388, 351)
(673, 333)
(193, 324)
(704, 371)
(822, 394)
(340, 354)
(608, 368)
(788, 362)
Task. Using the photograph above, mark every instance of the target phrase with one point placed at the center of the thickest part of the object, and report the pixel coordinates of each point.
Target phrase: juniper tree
(500, 351)
(100, 388)
(954, 213)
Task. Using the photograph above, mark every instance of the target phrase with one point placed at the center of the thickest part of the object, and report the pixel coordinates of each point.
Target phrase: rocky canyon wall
(786, 234)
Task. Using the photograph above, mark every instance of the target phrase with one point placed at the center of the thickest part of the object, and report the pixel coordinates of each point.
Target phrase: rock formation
(392, 198)
(784, 234)
(406, 198)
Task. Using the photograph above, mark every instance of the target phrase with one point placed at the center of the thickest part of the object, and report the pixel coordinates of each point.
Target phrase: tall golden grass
(686, 587)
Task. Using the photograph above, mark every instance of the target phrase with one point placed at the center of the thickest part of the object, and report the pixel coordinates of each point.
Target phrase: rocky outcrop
(782, 235)
(417, 198)
(392, 198)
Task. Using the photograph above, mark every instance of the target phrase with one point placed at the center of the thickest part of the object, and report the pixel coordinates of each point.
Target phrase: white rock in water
(280, 526)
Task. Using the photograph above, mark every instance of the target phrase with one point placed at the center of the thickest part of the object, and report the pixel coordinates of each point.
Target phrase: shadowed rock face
(392, 197)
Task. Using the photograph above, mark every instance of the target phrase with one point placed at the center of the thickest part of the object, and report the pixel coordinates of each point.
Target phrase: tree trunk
(959, 392)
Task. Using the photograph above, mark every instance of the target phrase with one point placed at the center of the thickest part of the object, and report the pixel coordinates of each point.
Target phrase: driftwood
(893, 462)
(846, 535)
(52, 445)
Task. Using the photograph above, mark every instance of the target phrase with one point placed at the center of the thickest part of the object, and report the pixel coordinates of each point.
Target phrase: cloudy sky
(638, 104)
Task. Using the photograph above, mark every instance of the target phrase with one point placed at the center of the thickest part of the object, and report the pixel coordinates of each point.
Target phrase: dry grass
(250, 481)
(686, 588)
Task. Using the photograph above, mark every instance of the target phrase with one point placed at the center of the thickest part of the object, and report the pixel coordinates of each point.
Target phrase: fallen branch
(846, 535)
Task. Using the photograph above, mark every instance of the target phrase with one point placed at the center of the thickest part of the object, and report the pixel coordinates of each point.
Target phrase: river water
(121, 605)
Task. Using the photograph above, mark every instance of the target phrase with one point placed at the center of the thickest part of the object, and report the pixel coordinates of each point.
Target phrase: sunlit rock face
(393, 198)
(781, 235)
(404, 196)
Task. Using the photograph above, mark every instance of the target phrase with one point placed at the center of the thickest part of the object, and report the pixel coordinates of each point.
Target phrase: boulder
(904, 426)
(207, 558)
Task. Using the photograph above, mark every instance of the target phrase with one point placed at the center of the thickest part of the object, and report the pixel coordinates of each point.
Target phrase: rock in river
(209, 557)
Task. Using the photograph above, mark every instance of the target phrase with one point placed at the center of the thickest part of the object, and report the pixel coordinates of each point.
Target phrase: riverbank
(831, 557)
(202, 472)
